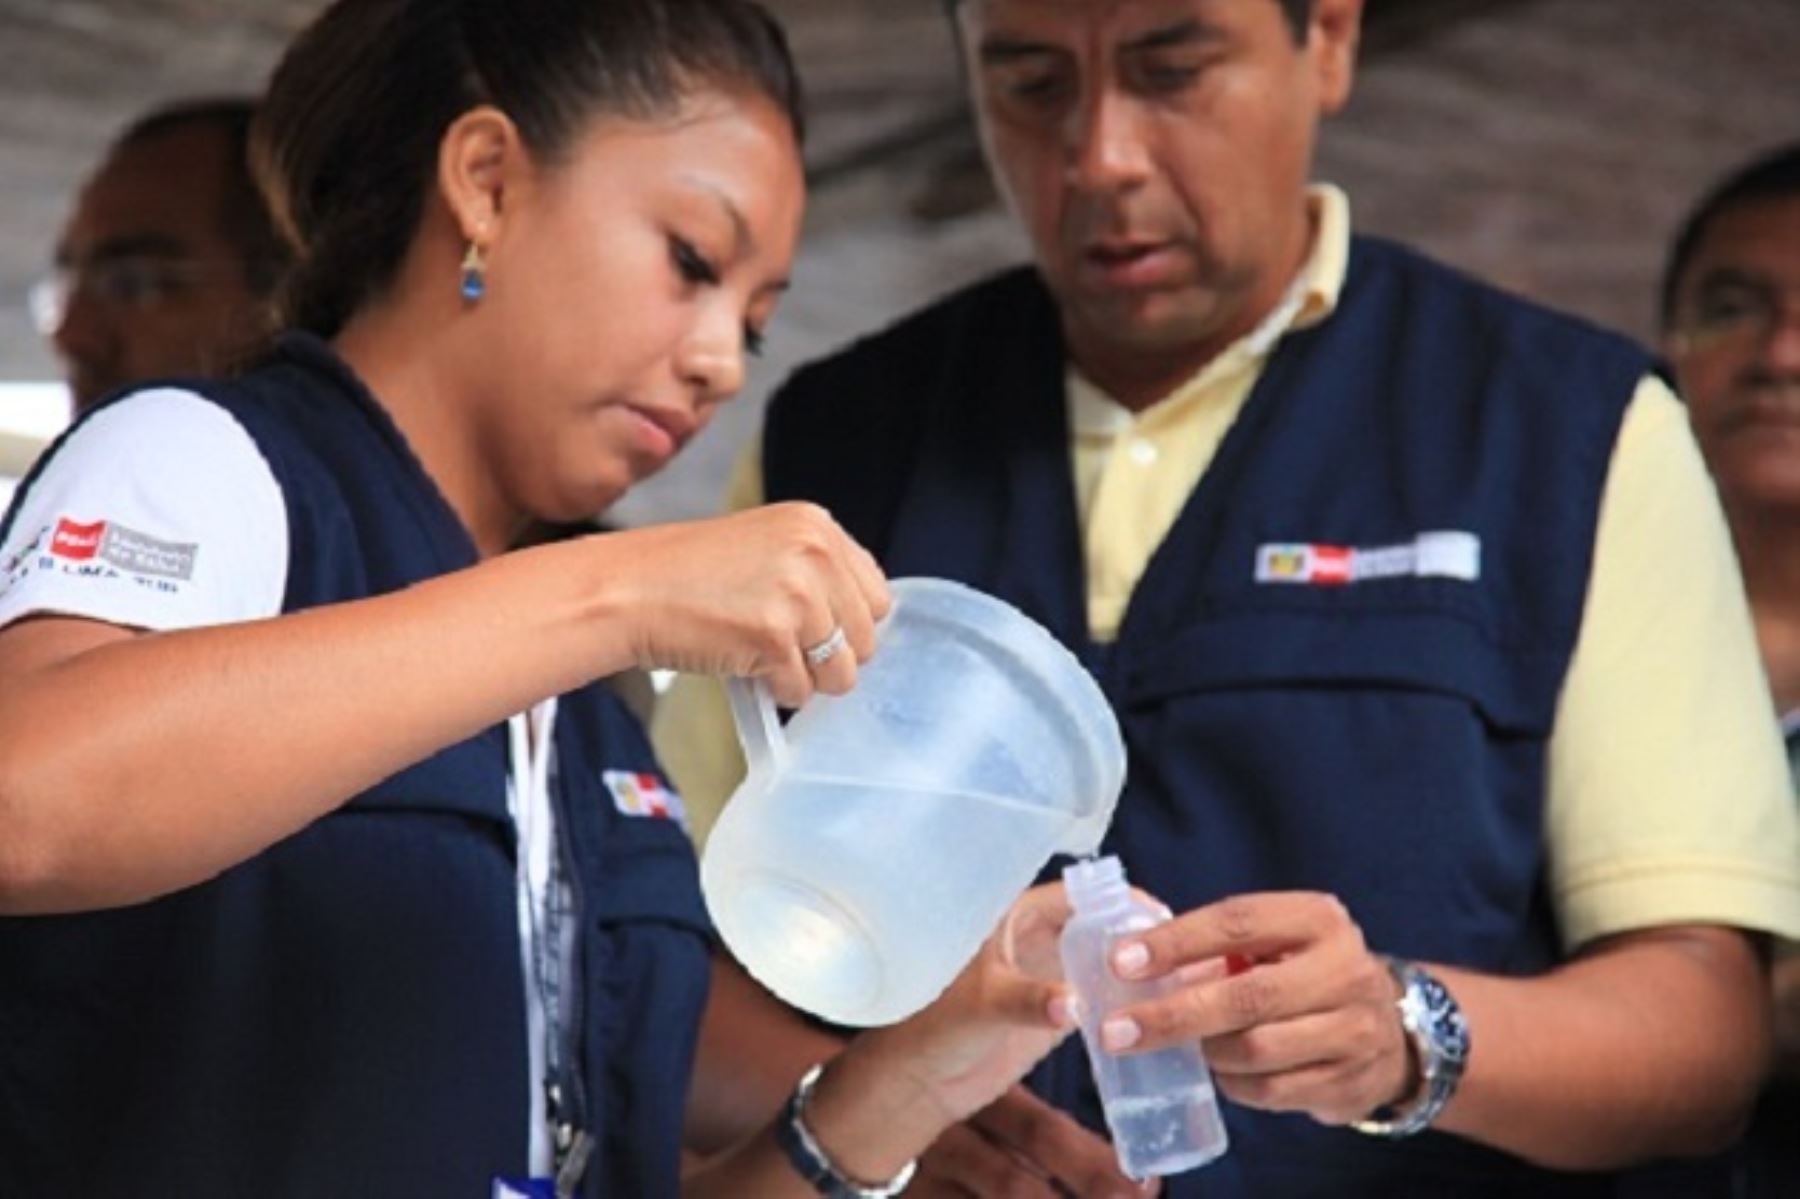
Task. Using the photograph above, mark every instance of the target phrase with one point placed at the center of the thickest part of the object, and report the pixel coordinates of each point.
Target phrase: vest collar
(315, 356)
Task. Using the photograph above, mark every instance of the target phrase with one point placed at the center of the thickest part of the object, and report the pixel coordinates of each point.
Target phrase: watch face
(1444, 1019)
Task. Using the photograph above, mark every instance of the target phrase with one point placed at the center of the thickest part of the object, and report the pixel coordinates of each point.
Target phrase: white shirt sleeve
(159, 513)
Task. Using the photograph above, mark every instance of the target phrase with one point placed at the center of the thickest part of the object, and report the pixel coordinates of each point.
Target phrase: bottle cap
(1094, 884)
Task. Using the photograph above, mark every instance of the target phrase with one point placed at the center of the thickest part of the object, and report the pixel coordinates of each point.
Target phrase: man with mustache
(1731, 330)
(1413, 600)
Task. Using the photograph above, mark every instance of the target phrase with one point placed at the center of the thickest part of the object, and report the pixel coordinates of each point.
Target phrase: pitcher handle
(758, 728)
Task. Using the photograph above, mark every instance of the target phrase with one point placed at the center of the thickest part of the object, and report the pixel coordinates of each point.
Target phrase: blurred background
(1548, 145)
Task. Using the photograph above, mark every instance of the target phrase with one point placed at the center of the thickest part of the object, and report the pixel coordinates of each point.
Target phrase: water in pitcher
(922, 846)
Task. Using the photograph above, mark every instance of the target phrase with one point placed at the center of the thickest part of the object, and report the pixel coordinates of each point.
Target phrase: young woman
(311, 886)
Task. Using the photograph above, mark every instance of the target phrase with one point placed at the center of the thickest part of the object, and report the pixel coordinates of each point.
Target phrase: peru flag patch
(644, 795)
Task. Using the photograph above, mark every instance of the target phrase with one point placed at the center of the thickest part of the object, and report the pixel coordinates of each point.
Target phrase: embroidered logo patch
(644, 795)
(102, 551)
(1440, 555)
(129, 550)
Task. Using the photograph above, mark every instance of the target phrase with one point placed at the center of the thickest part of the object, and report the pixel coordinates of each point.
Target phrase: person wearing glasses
(1731, 331)
(169, 262)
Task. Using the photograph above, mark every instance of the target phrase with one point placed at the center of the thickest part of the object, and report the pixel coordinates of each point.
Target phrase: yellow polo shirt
(1668, 796)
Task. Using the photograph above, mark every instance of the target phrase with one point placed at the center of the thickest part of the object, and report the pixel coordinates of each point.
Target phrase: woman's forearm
(869, 1114)
(133, 765)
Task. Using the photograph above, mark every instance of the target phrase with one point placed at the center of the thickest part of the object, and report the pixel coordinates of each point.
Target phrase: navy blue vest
(1384, 741)
(343, 1014)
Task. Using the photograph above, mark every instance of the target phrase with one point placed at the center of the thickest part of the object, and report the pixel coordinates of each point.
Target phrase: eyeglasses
(127, 283)
(1735, 312)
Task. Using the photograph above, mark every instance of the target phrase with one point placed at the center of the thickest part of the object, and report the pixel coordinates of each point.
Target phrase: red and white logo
(124, 549)
(1440, 554)
(77, 542)
(1331, 565)
(644, 795)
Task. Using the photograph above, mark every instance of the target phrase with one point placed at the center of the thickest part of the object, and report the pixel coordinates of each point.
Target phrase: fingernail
(1065, 1011)
(1131, 959)
(1120, 1032)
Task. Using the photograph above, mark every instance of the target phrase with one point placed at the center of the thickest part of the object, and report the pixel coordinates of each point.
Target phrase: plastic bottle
(1160, 1106)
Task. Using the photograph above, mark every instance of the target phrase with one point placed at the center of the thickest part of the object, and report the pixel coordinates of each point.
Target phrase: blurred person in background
(1731, 332)
(169, 262)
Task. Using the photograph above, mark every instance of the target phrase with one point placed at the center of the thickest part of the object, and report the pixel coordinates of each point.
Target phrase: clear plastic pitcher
(879, 838)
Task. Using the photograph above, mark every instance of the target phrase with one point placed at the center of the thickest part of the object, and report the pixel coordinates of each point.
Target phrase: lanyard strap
(570, 1145)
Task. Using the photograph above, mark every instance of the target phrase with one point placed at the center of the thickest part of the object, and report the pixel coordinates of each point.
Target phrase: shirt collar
(1321, 278)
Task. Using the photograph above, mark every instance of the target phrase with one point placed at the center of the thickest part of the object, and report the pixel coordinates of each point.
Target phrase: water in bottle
(1160, 1106)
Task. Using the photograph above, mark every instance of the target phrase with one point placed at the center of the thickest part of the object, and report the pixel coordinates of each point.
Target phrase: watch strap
(812, 1163)
(1434, 1026)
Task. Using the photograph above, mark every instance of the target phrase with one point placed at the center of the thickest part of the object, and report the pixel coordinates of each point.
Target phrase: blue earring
(474, 275)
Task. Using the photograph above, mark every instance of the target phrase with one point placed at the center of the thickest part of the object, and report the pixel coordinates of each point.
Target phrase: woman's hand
(746, 595)
(1004, 1012)
(900, 1092)
(1021, 1147)
(894, 1090)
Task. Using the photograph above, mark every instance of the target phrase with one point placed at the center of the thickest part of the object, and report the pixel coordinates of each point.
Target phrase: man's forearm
(1648, 1045)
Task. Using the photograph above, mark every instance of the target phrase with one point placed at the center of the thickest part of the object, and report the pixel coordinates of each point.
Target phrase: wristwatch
(1440, 1038)
(809, 1159)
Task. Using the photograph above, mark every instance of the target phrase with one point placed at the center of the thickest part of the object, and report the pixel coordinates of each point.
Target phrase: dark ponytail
(346, 142)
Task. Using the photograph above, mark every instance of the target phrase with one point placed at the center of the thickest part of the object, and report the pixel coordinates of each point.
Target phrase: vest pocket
(649, 969)
(646, 870)
(1514, 688)
(1393, 758)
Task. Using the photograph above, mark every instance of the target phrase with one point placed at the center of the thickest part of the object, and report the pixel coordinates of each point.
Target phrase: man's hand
(1021, 1146)
(1309, 1027)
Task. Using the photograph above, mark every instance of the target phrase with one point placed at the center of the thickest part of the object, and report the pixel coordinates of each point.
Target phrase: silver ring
(826, 650)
